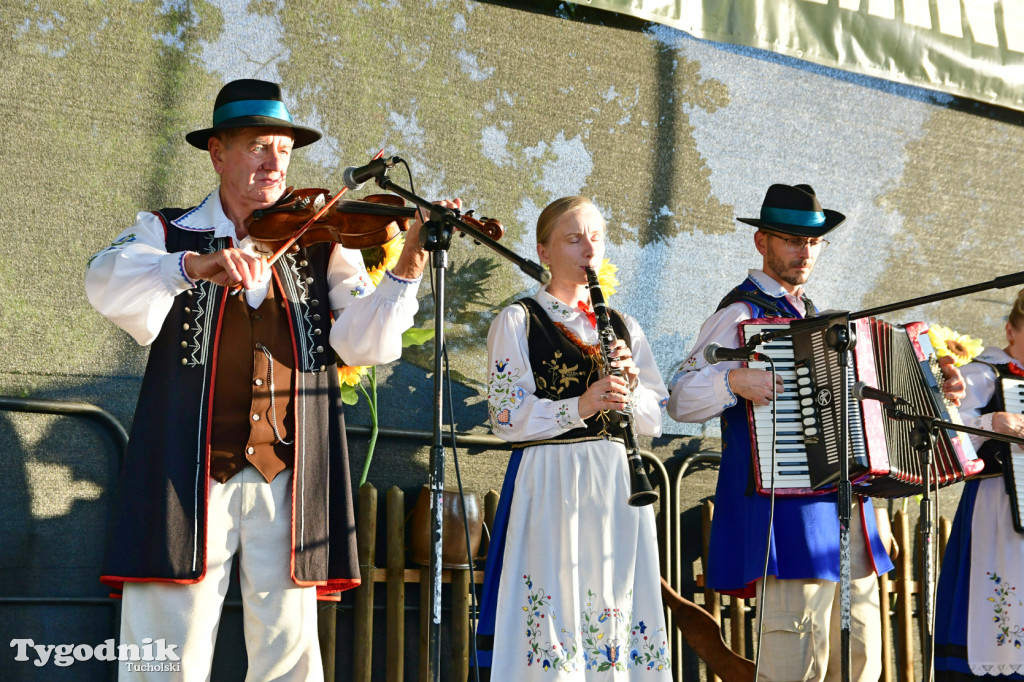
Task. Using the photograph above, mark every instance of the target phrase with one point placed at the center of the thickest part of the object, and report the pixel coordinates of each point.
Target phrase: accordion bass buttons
(808, 415)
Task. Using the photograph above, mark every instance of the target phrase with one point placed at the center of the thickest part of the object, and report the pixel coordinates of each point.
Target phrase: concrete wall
(507, 105)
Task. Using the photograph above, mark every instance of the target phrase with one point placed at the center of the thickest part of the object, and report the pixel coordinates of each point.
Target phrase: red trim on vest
(333, 589)
(297, 435)
(163, 223)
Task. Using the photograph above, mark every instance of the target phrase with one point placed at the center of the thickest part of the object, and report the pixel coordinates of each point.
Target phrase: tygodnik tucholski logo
(151, 656)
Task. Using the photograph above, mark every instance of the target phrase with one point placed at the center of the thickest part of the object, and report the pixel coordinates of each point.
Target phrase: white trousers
(249, 519)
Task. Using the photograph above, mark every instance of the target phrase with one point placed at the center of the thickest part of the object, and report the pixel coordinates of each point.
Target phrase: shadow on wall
(55, 471)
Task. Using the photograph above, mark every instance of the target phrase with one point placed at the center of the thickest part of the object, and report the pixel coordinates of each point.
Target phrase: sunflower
(381, 258)
(606, 278)
(351, 376)
(961, 347)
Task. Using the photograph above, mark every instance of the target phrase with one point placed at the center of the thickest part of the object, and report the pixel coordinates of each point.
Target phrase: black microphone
(862, 391)
(354, 178)
(714, 353)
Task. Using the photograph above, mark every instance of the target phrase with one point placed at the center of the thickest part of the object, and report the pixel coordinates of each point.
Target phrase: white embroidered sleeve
(650, 395)
(368, 322)
(516, 413)
(699, 391)
(980, 381)
(133, 281)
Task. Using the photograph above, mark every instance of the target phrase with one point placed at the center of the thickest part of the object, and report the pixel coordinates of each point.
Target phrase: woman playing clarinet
(572, 583)
(979, 621)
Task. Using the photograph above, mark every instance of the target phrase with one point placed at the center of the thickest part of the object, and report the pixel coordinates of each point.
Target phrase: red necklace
(588, 349)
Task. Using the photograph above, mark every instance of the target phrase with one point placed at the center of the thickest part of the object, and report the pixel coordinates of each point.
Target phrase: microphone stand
(435, 237)
(923, 438)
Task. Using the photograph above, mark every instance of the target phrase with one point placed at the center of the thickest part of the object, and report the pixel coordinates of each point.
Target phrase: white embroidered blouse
(518, 415)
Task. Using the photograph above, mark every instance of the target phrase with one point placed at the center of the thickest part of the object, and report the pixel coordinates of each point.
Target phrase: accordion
(803, 424)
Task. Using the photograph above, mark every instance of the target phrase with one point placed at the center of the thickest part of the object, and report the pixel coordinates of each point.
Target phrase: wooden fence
(899, 591)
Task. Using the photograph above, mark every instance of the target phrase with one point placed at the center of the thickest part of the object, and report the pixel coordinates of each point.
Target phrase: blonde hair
(554, 211)
(1016, 318)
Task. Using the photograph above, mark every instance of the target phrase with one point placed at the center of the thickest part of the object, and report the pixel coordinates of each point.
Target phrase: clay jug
(453, 547)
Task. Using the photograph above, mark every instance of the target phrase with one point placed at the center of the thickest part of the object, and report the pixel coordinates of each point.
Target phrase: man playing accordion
(800, 591)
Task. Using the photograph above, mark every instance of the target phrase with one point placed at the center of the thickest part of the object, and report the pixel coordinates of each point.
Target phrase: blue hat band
(251, 107)
(789, 216)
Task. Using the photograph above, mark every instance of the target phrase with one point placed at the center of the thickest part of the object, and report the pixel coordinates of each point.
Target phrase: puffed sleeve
(516, 413)
(699, 391)
(650, 395)
(980, 381)
(368, 322)
(133, 281)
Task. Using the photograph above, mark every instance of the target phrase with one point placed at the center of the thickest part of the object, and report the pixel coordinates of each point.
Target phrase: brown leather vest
(254, 355)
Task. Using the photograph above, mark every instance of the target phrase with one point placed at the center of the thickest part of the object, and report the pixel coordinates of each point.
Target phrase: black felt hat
(250, 103)
(794, 210)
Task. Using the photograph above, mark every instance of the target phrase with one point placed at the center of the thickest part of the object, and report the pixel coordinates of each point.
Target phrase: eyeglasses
(799, 243)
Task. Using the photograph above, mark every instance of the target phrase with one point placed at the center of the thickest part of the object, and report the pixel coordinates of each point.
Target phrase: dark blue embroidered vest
(735, 429)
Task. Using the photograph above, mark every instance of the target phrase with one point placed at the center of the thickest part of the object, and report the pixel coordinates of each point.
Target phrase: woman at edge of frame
(978, 612)
(572, 586)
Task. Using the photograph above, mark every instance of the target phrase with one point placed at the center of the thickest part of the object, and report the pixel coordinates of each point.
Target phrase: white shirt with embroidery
(518, 415)
(699, 391)
(133, 283)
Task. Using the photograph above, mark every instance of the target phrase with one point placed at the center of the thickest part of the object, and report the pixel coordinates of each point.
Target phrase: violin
(299, 217)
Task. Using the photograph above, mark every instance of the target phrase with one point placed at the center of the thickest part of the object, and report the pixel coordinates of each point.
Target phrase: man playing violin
(237, 454)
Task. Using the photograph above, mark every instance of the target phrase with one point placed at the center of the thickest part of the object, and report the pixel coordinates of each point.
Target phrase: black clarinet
(641, 492)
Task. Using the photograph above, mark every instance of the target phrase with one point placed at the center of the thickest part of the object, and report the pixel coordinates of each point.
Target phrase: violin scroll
(489, 226)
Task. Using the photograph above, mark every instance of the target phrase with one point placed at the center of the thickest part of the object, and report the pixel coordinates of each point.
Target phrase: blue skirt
(492, 571)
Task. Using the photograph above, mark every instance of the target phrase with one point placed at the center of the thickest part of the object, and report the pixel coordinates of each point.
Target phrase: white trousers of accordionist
(801, 623)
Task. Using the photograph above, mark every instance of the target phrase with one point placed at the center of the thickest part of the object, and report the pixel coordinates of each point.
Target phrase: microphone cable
(475, 610)
(771, 520)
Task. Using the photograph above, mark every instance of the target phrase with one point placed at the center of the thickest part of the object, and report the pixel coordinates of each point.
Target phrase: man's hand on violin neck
(228, 267)
(413, 258)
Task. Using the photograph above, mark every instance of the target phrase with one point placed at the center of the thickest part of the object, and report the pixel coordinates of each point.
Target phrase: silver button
(249, 450)
(303, 263)
(309, 280)
(319, 349)
(259, 382)
(255, 417)
(316, 332)
(316, 318)
(314, 302)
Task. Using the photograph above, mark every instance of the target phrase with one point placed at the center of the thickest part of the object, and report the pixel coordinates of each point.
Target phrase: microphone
(355, 177)
(862, 391)
(714, 353)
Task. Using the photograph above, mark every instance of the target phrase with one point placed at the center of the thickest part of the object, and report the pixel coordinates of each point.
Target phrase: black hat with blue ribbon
(249, 103)
(794, 210)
